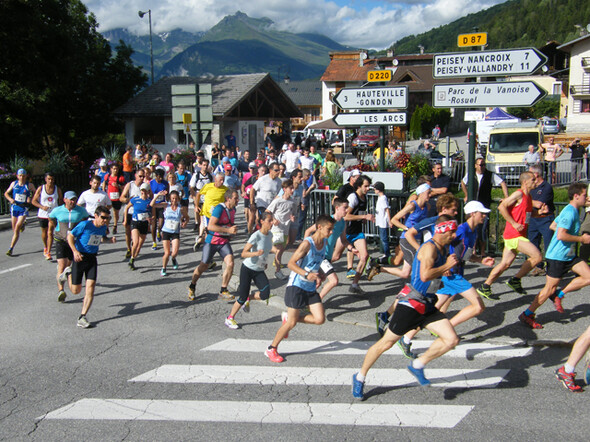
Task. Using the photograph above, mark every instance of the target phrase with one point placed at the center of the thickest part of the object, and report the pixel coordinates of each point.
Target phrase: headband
(422, 188)
(446, 226)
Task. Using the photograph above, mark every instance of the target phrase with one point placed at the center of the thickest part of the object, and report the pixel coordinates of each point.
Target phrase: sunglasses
(105, 217)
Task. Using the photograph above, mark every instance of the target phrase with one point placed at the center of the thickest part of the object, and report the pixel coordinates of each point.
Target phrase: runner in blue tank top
(19, 194)
(416, 307)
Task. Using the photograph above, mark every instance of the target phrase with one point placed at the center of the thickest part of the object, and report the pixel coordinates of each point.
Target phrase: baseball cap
(475, 206)
(354, 172)
(225, 160)
(227, 167)
(102, 163)
(284, 147)
(145, 186)
(21, 172)
(252, 165)
(379, 186)
(70, 195)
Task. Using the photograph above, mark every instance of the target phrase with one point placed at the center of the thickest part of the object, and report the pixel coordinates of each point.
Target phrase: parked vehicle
(366, 140)
(550, 126)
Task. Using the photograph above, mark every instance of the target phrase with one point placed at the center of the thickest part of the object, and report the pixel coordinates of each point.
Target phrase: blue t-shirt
(158, 187)
(462, 246)
(141, 208)
(259, 241)
(184, 181)
(426, 228)
(333, 238)
(88, 237)
(67, 219)
(172, 220)
(559, 250)
(102, 174)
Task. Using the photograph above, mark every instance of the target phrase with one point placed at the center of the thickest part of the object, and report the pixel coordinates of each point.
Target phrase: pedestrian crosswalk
(369, 413)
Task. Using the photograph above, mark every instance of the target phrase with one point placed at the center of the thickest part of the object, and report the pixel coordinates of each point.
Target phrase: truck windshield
(513, 142)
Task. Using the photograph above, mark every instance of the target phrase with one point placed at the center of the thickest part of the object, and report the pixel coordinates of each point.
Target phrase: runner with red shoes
(565, 374)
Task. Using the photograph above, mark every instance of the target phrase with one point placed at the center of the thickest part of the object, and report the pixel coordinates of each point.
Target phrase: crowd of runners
(431, 257)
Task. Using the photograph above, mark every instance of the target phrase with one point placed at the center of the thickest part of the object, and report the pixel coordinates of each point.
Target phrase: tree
(59, 78)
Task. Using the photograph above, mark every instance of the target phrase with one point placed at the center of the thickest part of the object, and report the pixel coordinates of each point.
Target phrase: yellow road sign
(187, 118)
(381, 75)
(478, 39)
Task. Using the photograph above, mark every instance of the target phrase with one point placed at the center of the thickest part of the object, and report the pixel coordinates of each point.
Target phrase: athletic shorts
(326, 268)
(512, 243)
(246, 203)
(409, 251)
(261, 211)
(209, 251)
(88, 266)
(354, 237)
(247, 275)
(453, 285)
(406, 318)
(160, 213)
(63, 250)
(558, 269)
(16, 211)
(183, 203)
(116, 205)
(142, 226)
(43, 222)
(169, 236)
(296, 297)
(128, 219)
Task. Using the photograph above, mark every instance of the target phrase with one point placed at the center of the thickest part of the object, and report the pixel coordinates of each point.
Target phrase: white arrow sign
(392, 97)
(487, 63)
(371, 119)
(512, 93)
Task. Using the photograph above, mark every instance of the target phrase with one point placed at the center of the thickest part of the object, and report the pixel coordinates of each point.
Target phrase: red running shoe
(273, 355)
(529, 321)
(557, 303)
(568, 380)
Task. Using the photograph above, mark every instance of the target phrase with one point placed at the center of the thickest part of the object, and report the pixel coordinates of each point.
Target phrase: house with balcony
(578, 115)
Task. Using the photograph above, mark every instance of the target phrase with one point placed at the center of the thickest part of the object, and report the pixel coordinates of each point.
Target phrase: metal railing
(579, 89)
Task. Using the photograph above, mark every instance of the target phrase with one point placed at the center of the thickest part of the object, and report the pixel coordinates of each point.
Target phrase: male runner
(132, 190)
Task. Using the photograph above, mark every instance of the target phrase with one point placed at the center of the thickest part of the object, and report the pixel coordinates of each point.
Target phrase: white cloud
(359, 24)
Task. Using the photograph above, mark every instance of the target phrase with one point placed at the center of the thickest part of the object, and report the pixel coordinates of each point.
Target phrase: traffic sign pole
(471, 191)
(382, 148)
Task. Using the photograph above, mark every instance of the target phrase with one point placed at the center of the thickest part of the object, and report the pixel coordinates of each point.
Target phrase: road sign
(509, 93)
(487, 63)
(477, 39)
(390, 97)
(187, 118)
(370, 119)
(475, 115)
(380, 75)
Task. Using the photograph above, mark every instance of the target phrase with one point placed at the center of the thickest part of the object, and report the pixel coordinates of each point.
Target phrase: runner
(184, 177)
(221, 228)
(416, 308)
(516, 210)
(283, 211)
(264, 190)
(561, 257)
(84, 241)
(113, 185)
(248, 181)
(198, 180)
(255, 256)
(19, 194)
(174, 219)
(565, 374)
(142, 213)
(303, 283)
(131, 190)
(46, 198)
(158, 185)
(92, 198)
(62, 220)
(213, 194)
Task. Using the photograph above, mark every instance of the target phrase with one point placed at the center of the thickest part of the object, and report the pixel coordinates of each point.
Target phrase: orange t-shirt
(128, 165)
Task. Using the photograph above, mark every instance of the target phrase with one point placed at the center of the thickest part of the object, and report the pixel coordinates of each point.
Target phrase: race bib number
(94, 240)
(572, 251)
(160, 198)
(114, 195)
(277, 236)
(143, 216)
(171, 225)
(20, 197)
(326, 268)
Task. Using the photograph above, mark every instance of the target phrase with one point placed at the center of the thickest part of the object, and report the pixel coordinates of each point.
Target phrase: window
(557, 88)
(585, 106)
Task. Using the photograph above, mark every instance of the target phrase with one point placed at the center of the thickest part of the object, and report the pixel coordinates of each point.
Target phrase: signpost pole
(471, 192)
(198, 121)
(382, 148)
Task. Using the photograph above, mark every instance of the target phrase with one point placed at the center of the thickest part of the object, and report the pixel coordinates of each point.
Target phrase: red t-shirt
(522, 215)
(114, 186)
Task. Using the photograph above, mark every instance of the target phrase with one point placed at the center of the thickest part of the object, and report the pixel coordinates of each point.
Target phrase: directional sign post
(488, 63)
(505, 93)
(370, 119)
(392, 97)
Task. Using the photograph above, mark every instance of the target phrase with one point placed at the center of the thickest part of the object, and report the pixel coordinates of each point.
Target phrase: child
(382, 221)
(283, 210)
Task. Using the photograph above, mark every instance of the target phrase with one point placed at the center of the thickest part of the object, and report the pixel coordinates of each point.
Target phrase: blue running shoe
(351, 274)
(587, 374)
(357, 388)
(419, 375)
(382, 320)
(406, 349)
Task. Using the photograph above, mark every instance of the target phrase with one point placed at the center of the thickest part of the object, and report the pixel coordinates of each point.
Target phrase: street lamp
(141, 14)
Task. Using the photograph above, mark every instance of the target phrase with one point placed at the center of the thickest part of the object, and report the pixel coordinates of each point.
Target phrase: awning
(324, 124)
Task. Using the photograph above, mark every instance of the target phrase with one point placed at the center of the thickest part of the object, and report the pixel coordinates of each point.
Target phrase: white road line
(466, 350)
(14, 268)
(391, 415)
(223, 374)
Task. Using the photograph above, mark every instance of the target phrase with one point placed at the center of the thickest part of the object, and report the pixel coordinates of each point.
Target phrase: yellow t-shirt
(213, 196)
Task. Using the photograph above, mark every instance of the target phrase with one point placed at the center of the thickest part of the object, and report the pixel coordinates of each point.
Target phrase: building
(307, 96)
(578, 113)
(241, 103)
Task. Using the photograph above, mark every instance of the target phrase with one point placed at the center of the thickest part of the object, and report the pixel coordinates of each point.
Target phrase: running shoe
(191, 294)
(158, 236)
(9, 253)
(357, 388)
(382, 319)
(486, 292)
(225, 294)
(132, 264)
(154, 246)
(355, 288)
(44, 251)
(538, 271)
(529, 321)
(212, 265)
(61, 296)
(557, 303)
(48, 256)
(231, 323)
(419, 375)
(163, 272)
(63, 276)
(514, 284)
(280, 275)
(406, 349)
(568, 380)
(284, 319)
(196, 246)
(83, 322)
(128, 254)
(246, 306)
(351, 274)
(587, 374)
(273, 355)
(374, 271)
(174, 264)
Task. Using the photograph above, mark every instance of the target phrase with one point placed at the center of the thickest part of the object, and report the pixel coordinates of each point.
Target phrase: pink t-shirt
(246, 177)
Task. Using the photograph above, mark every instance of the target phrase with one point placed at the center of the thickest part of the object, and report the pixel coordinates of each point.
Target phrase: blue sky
(358, 23)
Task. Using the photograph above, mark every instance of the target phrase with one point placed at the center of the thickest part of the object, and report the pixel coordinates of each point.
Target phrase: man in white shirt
(291, 158)
(306, 161)
(94, 197)
(264, 190)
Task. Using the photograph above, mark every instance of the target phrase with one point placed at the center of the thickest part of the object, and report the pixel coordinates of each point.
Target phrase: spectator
(552, 153)
(436, 133)
(577, 159)
(128, 164)
(231, 141)
(167, 164)
(309, 184)
(532, 157)
(440, 184)
(291, 158)
(330, 164)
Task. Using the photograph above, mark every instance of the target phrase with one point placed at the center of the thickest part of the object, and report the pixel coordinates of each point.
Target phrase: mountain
(513, 24)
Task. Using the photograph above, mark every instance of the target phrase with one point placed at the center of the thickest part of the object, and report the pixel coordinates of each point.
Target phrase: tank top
(114, 191)
(172, 220)
(417, 283)
(49, 200)
(310, 263)
(522, 214)
(415, 217)
(20, 194)
(356, 227)
(133, 192)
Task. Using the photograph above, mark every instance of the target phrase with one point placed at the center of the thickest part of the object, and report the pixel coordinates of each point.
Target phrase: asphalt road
(159, 367)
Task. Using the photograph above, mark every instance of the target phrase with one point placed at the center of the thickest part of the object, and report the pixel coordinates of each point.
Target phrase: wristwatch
(306, 275)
